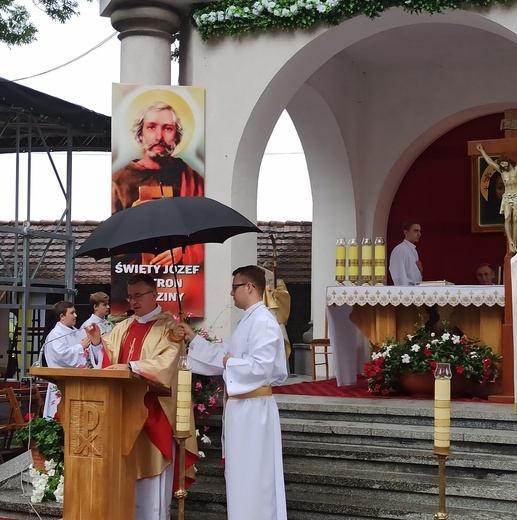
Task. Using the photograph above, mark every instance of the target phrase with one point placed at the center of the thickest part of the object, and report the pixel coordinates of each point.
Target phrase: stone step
(477, 414)
(308, 503)
(392, 435)
(308, 458)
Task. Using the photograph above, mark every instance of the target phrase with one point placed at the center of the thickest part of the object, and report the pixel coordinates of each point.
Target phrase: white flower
(409, 337)
(286, 12)
(205, 439)
(197, 434)
(434, 341)
(432, 334)
(428, 345)
(220, 16)
(377, 355)
(321, 8)
(58, 493)
(415, 348)
(456, 339)
(405, 358)
(446, 336)
(201, 454)
(294, 9)
(246, 9)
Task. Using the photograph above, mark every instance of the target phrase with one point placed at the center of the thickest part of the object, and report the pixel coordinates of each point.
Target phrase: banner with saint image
(158, 150)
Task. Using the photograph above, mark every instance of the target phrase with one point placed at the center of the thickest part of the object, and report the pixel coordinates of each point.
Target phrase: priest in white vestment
(250, 362)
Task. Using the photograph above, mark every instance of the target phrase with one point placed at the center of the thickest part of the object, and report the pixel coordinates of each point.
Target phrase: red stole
(132, 346)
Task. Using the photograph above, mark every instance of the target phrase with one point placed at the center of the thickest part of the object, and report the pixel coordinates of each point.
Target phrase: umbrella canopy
(163, 224)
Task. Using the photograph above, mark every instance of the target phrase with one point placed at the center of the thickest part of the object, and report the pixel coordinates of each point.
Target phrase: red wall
(436, 190)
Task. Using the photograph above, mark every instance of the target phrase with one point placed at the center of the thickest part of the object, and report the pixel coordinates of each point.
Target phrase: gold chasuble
(278, 301)
(149, 347)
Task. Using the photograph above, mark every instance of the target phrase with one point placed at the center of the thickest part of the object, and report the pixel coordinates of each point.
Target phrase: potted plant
(47, 437)
(418, 354)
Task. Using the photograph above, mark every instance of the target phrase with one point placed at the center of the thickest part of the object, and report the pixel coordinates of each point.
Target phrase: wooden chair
(321, 347)
(11, 419)
(29, 400)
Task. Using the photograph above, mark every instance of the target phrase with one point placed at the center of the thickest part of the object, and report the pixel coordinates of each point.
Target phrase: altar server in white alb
(100, 304)
(405, 265)
(64, 347)
(251, 362)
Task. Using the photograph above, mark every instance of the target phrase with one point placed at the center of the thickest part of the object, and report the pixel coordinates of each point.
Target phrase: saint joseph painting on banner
(158, 150)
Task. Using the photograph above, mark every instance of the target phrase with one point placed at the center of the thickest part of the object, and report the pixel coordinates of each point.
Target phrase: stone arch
(272, 72)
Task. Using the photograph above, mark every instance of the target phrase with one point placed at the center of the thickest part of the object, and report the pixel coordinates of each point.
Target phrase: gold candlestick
(442, 429)
(182, 432)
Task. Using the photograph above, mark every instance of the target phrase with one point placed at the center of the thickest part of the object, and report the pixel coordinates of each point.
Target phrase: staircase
(373, 459)
(361, 459)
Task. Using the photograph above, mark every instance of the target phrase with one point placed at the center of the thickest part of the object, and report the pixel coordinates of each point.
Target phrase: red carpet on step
(325, 388)
(329, 388)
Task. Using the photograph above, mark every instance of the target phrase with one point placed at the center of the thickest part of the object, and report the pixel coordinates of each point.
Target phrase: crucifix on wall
(495, 160)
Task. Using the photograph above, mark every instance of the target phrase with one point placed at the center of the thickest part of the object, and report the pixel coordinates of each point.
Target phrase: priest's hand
(118, 366)
(94, 334)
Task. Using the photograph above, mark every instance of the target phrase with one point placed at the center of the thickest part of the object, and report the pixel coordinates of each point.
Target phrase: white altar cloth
(341, 299)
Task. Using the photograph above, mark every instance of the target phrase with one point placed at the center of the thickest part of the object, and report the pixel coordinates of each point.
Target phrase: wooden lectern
(102, 412)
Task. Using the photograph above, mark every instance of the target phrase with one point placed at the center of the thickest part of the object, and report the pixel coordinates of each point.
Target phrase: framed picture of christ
(487, 193)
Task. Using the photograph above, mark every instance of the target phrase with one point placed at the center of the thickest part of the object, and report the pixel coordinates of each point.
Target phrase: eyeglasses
(235, 286)
(136, 297)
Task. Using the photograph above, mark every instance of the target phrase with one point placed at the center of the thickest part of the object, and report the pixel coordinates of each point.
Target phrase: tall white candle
(184, 401)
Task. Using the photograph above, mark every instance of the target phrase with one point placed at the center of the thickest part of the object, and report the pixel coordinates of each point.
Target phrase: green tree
(16, 27)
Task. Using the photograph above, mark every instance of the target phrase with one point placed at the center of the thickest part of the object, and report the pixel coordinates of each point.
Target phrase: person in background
(250, 362)
(148, 343)
(64, 347)
(100, 304)
(405, 265)
(485, 274)
(278, 301)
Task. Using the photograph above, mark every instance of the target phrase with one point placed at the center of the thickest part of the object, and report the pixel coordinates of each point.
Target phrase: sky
(284, 188)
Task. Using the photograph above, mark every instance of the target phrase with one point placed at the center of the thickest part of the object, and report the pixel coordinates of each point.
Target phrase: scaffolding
(34, 122)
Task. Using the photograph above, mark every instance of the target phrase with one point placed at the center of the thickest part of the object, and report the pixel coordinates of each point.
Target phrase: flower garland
(236, 17)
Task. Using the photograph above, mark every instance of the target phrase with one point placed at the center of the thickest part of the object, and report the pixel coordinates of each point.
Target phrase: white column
(146, 35)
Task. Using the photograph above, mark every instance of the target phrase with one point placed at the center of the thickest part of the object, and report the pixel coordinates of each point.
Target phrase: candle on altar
(353, 260)
(340, 260)
(366, 260)
(379, 270)
(442, 408)
(184, 397)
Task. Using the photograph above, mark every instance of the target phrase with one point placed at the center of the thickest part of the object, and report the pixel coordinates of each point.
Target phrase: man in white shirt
(100, 304)
(405, 265)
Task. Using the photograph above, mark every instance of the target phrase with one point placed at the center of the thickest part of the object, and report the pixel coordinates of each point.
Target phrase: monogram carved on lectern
(87, 426)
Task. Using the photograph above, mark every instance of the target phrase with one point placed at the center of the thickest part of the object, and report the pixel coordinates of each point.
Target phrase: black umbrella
(163, 224)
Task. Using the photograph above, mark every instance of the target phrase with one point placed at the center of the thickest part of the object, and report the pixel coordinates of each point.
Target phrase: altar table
(379, 312)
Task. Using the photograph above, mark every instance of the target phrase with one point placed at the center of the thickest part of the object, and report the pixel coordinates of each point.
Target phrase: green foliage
(237, 17)
(420, 352)
(47, 434)
(16, 27)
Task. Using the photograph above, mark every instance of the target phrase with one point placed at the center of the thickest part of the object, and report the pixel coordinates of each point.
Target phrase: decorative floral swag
(237, 17)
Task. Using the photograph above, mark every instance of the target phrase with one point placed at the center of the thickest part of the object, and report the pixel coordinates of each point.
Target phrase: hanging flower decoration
(237, 17)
